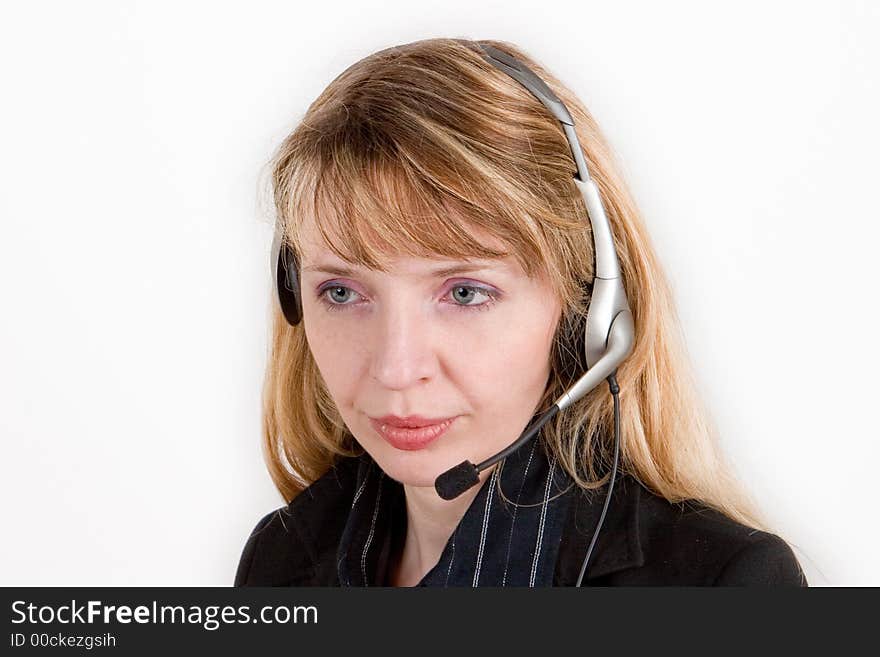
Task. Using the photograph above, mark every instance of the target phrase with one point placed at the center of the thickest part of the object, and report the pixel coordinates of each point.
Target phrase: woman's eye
(465, 294)
(335, 296)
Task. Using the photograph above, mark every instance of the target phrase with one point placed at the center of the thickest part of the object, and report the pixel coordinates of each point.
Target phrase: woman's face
(470, 345)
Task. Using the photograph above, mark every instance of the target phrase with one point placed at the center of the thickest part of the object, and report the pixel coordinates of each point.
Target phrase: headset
(609, 332)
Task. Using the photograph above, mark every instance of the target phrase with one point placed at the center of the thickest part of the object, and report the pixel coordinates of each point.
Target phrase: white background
(134, 279)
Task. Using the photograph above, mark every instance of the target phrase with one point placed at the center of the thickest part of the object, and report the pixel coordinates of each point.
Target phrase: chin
(415, 468)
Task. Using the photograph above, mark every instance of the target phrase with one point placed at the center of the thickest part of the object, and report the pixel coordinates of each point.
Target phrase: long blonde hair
(408, 151)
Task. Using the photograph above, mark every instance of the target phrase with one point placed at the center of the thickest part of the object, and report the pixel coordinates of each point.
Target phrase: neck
(431, 520)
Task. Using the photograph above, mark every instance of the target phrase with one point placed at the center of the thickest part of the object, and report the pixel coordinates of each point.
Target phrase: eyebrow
(442, 271)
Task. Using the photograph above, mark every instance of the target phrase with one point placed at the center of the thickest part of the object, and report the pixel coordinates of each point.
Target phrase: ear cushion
(287, 285)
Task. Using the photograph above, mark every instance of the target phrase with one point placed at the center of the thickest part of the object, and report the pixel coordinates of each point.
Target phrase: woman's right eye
(334, 296)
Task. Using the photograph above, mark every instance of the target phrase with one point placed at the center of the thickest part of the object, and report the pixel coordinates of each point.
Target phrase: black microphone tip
(457, 480)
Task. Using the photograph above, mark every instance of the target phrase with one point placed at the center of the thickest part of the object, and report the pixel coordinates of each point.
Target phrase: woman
(443, 269)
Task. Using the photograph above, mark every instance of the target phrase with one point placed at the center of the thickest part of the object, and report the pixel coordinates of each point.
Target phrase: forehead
(317, 255)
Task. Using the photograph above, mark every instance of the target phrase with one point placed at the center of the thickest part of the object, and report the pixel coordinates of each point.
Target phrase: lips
(410, 421)
(412, 432)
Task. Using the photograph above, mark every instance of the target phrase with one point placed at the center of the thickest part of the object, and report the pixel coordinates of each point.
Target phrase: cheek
(336, 355)
(519, 346)
(515, 363)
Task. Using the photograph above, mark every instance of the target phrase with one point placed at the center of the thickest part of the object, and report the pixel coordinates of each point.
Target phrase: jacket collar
(509, 535)
(620, 544)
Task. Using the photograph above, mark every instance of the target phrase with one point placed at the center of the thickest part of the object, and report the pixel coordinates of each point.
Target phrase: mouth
(411, 438)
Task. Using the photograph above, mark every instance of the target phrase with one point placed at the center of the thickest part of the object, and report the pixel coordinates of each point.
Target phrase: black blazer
(645, 541)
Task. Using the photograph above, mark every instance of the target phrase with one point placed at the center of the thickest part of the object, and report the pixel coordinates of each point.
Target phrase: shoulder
(707, 547)
(646, 540)
(286, 546)
(272, 554)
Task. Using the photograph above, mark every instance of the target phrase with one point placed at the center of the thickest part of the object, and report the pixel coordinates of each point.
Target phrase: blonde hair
(416, 149)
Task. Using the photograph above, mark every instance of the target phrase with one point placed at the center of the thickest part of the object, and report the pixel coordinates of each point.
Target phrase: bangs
(370, 207)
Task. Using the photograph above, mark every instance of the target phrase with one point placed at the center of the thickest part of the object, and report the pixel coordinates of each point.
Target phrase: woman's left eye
(465, 294)
(469, 294)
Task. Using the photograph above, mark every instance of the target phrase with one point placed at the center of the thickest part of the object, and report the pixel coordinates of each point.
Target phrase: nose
(402, 353)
